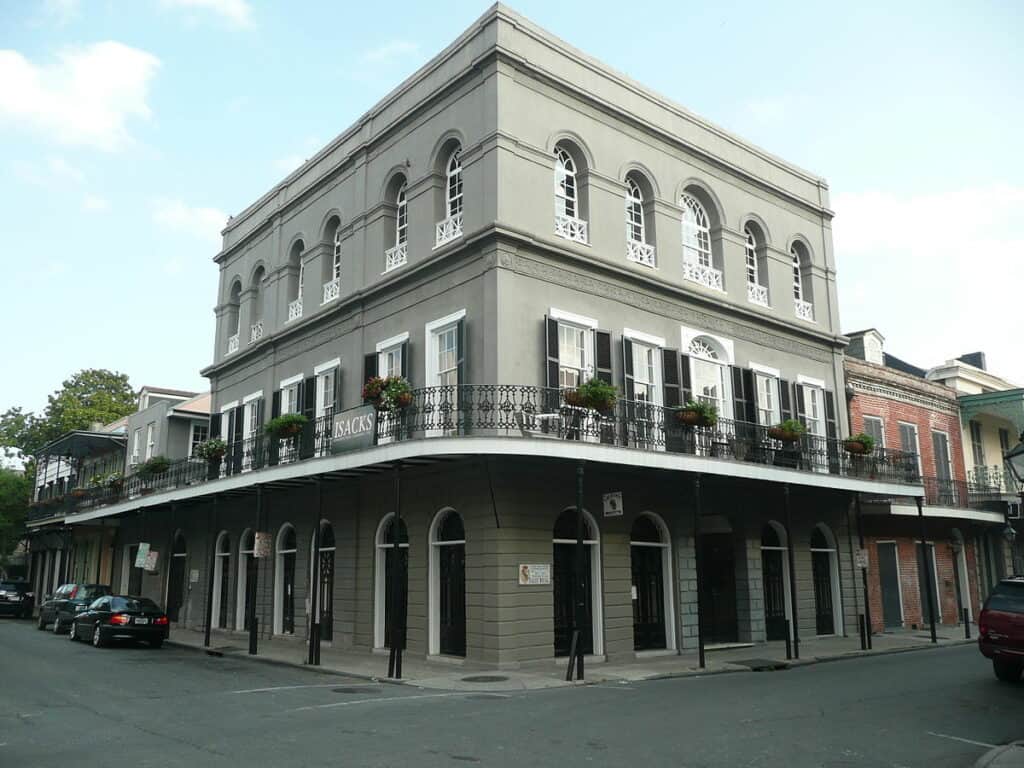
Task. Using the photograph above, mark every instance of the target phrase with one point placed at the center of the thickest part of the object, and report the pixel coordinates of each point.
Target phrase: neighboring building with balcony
(169, 423)
(892, 401)
(511, 221)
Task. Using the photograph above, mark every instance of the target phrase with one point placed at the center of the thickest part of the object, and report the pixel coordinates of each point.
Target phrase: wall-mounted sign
(152, 559)
(860, 558)
(534, 574)
(141, 554)
(354, 428)
(261, 545)
(193, 576)
(613, 504)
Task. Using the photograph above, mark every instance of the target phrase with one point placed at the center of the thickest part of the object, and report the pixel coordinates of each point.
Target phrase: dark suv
(16, 599)
(63, 605)
(1001, 628)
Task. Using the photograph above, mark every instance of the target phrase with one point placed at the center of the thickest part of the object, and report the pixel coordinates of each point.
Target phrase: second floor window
(874, 427)
(200, 433)
(136, 445)
(634, 213)
(565, 185)
(708, 374)
(150, 440)
(573, 359)
(290, 398)
(401, 217)
(696, 232)
(977, 444)
(453, 193)
(767, 399)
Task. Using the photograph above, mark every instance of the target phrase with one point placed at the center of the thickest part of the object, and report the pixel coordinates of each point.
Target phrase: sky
(129, 131)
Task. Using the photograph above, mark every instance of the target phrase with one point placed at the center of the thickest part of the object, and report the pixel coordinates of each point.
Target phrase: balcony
(448, 230)
(640, 253)
(571, 228)
(804, 310)
(332, 290)
(757, 294)
(703, 274)
(294, 309)
(532, 414)
(232, 343)
(256, 331)
(395, 257)
(990, 482)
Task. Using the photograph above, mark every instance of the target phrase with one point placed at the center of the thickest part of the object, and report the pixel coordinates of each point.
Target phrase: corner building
(511, 221)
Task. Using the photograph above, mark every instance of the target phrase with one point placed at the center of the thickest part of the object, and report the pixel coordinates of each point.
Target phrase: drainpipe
(212, 565)
(792, 570)
(313, 656)
(863, 571)
(928, 591)
(696, 565)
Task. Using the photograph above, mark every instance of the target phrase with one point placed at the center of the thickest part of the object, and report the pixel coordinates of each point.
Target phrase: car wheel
(57, 628)
(1007, 671)
(98, 641)
(73, 632)
(40, 625)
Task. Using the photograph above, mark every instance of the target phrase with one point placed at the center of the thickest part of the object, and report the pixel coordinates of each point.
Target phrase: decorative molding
(877, 389)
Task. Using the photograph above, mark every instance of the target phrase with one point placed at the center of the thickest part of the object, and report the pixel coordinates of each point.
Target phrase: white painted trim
(223, 409)
(570, 317)
(787, 589)
(765, 370)
(285, 383)
(434, 582)
(451, 319)
(253, 396)
(394, 341)
(838, 628)
(514, 446)
(596, 585)
(324, 367)
(953, 513)
(686, 335)
(917, 443)
(665, 545)
(643, 338)
(379, 574)
(809, 381)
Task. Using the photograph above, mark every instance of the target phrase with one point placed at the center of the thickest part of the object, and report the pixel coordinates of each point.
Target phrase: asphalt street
(64, 703)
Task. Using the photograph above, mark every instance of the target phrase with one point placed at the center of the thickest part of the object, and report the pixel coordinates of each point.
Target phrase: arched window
(651, 563)
(245, 596)
(798, 275)
(775, 580)
(634, 213)
(563, 569)
(696, 232)
(176, 577)
(401, 217)
(256, 314)
(803, 301)
(757, 291)
(322, 567)
(448, 584)
(331, 268)
(297, 280)
(392, 580)
(234, 316)
(284, 582)
(565, 185)
(825, 575)
(453, 184)
(708, 374)
(221, 569)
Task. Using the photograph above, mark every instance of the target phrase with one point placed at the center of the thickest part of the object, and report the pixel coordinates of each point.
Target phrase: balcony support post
(398, 587)
(314, 581)
(792, 569)
(697, 506)
(928, 589)
(213, 519)
(253, 635)
(863, 571)
(579, 603)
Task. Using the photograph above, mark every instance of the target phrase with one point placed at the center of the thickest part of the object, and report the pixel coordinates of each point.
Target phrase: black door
(251, 565)
(562, 580)
(225, 568)
(926, 584)
(889, 579)
(718, 588)
(325, 595)
(175, 586)
(649, 598)
(774, 578)
(452, 599)
(396, 567)
(288, 593)
(134, 574)
(821, 569)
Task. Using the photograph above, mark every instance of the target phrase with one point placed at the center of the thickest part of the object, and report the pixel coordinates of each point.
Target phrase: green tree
(15, 492)
(91, 395)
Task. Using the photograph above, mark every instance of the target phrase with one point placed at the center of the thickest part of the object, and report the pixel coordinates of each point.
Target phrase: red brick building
(892, 401)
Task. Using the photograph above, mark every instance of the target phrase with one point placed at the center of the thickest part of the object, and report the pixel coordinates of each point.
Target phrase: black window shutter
(801, 413)
(627, 369)
(670, 378)
(603, 356)
(275, 404)
(336, 395)
(831, 427)
(743, 394)
(214, 430)
(551, 352)
(406, 373)
(785, 404)
(257, 450)
(369, 366)
(460, 351)
(237, 437)
(307, 398)
(274, 446)
(684, 366)
(300, 396)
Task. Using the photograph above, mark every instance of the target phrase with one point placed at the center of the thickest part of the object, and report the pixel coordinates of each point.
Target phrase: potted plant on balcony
(859, 445)
(594, 394)
(697, 414)
(79, 493)
(114, 481)
(388, 393)
(212, 451)
(789, 431)
(151, 469)
(285, 426)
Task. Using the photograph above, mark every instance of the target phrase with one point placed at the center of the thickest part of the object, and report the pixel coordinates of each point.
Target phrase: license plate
(142, 621)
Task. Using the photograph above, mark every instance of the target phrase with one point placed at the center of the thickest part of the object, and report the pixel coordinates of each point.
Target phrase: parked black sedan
(119, 617)
(68, 601)
(16, 599)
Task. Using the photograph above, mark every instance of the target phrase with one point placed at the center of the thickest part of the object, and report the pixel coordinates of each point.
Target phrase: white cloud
(236, 12)
(85, 98)
(95, 204)
(390, 51)
(202, 224)
(937, 273)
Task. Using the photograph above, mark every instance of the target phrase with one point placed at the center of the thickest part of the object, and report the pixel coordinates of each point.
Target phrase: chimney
(977, 359)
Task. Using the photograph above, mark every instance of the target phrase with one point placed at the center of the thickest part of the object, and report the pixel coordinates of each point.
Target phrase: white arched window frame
(565, 185)
(635, 230)
(592, 539)
(696, 232)
(798, 275)
(783, 547)
(245, 551)
(221, 561)
(434, 569)
(665, 545)
(802, 303)
(756, 292)
(379, 595)
(832, 549)
(336, 256)
(279, 586)
(453, 185)
(401, 217)
(709, 375)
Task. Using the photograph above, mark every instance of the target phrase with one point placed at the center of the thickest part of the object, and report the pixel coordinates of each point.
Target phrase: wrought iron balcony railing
(947, 492)
(537, 413)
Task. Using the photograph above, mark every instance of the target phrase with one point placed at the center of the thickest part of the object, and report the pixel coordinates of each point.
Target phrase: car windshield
(11, 586)
(1007, 597)
(133, 604)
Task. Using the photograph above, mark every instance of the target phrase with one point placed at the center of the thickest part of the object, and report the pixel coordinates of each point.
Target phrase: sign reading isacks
(613, 504)
(534, 574)
(354, 428)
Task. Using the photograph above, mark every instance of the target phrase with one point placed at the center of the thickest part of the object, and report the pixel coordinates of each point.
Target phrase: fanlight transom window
(696, 232)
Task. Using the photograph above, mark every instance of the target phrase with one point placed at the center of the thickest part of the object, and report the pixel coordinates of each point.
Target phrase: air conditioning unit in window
(1013, 510)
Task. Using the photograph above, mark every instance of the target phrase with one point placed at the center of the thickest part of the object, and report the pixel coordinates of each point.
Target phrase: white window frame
(776, 406)
(665, 545)
(388, 346)
(150, 439)
(566, 185)
(832, 549)
(380, 565)
(917, 443)
(636, 227)
(402, 216)
(696, 232)
(881, 426)
(434, 571)
(453, 178)
(288, 388)
(723, 362)
(597, 612)
(949, 454)
(654, 344)
(323, 372)
(192, 435)
(811, 387)
(787, 597)
(279, 577)
(753, 278)
(583, 323)
(136, 445)
(336, 256)
(431, 333)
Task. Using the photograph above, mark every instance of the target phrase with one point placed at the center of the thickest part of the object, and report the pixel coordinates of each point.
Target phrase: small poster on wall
(142, 554)
(534, 574)
(152, 558)
(261, 546)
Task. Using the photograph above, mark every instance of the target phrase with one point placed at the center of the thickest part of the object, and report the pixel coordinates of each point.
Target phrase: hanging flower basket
(389, 393)
(697, 414)
(79, 493)
(594, 394)
(859, 445)
(788, 431)
(287, 425)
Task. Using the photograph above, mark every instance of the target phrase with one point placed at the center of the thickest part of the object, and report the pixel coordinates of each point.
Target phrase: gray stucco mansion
(510, 222)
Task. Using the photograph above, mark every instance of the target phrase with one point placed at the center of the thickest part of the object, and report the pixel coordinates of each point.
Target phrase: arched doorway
(775, 578)
(448, 584)
(322, 567)
(960, 579)
(825, 575)
(247, 565)
(651, 562)
(221, 563)
(562, 578)
(391, 572)
(176, 577)
(284, 582)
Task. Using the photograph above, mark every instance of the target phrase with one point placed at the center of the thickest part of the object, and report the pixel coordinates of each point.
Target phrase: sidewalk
(465, 675)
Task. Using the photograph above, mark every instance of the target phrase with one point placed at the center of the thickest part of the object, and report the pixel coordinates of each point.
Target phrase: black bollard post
(789, 642)
(967, 624)
(252, 635)
(863, 633)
